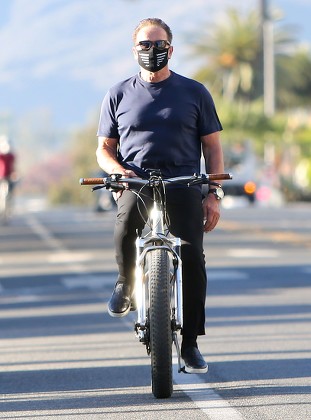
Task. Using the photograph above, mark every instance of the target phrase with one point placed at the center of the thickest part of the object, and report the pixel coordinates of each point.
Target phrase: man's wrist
(117, 170)
(218, 193)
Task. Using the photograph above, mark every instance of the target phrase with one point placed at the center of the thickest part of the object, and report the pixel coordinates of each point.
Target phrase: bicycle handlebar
(116, 181)
(219, 177)
(92, 181)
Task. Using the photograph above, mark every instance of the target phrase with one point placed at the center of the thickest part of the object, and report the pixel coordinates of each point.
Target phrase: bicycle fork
(144, 245)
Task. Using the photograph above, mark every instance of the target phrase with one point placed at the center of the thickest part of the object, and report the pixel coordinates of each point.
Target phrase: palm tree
(232, 51)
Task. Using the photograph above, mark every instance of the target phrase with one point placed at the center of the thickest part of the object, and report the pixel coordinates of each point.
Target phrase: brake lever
(215, 184)
(98, 187)
(199, 181)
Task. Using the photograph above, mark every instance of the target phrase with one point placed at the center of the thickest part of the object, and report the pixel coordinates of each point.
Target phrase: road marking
(87, 280)
(61, 253)
(68, 256)
(94, 282)
(203, 396)
(252, 253)
(213, 275)
(196, 388)
(45, 234)
(281, 236)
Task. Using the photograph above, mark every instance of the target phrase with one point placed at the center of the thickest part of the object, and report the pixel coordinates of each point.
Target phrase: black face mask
(153, 60)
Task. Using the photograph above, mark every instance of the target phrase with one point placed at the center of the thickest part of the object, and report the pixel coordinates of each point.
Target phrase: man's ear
(135, 53)
(170, 51)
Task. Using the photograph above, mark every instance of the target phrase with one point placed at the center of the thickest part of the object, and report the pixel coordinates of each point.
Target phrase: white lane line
(61, 253)
(195, 387)
(226, 275)
(89, 281)
(252, 253)
(94, 282)
(68, 256)
(44, 234)
(203, 396)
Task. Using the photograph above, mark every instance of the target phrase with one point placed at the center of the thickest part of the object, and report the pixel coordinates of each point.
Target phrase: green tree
(293, 80)
(81, 154)
(232, 70)
(232, 56)
(230, 50)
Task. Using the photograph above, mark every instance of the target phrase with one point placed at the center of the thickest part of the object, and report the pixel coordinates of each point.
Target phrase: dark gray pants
(184, 207)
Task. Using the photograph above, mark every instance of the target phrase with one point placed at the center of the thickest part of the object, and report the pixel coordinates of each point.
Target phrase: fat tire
(160, 323)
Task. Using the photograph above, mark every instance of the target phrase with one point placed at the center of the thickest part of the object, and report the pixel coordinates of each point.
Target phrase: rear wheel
(4, 201)
(160, 323)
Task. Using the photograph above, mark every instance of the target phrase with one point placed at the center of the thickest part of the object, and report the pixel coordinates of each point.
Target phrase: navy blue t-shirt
(159, 125)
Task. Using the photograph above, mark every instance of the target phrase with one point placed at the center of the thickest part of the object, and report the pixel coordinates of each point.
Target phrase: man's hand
(126, 173)
(211, 212)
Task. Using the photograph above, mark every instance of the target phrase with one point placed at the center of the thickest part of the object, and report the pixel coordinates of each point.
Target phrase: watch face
(220, 193)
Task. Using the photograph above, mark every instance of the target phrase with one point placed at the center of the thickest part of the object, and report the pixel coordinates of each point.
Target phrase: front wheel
(160, 323)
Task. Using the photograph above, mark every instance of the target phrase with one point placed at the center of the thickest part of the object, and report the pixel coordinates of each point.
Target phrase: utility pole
(268, 59)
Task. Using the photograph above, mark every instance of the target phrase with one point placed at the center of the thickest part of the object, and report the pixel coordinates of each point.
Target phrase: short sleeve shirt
(6, 165)
(159, 125)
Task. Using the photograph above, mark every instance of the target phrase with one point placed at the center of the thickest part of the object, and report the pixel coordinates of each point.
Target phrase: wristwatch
(218, 192)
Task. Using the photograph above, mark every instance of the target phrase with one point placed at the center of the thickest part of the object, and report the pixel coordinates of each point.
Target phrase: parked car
(104, 200)
(241, 161)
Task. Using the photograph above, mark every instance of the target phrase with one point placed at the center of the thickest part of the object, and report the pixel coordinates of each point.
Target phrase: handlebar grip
(218, 177)
(92, 181)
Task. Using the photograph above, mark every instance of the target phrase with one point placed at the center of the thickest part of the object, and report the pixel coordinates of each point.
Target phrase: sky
(59, 57)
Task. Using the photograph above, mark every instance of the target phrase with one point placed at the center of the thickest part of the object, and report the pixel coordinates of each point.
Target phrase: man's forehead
(152, 33)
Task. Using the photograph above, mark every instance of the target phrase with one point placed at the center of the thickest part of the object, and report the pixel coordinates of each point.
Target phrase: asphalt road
(63, 357)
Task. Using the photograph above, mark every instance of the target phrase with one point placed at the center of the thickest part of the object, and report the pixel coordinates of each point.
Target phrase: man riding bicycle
(7, 162)
(160, 120)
